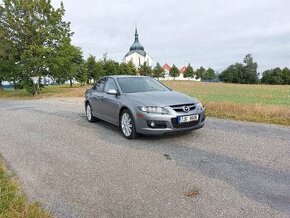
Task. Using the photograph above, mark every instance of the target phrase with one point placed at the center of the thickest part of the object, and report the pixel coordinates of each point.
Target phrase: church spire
(136, 45)
(136, 35)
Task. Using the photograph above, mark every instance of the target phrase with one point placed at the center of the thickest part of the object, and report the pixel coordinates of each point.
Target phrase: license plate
(189, 118)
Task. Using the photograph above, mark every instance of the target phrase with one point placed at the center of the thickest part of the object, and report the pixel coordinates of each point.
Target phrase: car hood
(162, 98)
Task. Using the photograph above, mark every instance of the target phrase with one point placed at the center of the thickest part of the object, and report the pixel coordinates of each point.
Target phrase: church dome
(136, 45)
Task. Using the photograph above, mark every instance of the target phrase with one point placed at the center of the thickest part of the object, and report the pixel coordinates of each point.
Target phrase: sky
(209, 33)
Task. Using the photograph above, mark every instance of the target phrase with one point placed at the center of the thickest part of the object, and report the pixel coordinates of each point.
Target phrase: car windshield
(140, 84)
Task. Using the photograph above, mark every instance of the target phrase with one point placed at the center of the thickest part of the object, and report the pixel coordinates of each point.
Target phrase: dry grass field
(257, 103)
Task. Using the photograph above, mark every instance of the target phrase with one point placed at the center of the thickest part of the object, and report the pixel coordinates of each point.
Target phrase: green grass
(13, 203)
(235, 93)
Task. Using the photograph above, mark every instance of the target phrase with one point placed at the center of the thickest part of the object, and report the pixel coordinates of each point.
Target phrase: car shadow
(264, 185)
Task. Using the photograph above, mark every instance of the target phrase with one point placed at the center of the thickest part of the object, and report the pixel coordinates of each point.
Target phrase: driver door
(110, 103)
(96, 98)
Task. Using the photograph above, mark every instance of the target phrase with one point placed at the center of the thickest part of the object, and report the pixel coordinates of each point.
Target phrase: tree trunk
(38, 88)
(14, 84)
(1, 86)
(70, 82)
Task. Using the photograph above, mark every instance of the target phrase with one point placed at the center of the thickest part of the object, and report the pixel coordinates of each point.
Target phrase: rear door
(96, 97)
(110, 103)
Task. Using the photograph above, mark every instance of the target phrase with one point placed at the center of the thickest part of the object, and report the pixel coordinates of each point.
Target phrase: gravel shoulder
(79, 169)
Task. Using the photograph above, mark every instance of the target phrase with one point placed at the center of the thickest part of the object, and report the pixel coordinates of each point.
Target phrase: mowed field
(258, 103)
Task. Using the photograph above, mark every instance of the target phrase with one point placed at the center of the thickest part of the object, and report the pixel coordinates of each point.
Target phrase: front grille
(179, 108)
(184, 125)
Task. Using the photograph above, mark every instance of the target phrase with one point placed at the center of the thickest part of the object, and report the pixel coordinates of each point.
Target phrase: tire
(127, 125)
(89, 114)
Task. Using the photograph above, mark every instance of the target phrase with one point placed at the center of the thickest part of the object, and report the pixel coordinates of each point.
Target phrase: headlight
(199, 105)
(153, 109)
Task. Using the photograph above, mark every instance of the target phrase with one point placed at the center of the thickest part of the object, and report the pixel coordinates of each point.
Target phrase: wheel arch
(124, 107)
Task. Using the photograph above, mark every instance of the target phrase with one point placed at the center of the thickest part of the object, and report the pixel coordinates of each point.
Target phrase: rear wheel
(127, 125)
(89, 114)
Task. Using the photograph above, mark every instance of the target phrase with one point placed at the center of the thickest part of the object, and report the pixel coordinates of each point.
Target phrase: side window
(110, 84)
(100, 85)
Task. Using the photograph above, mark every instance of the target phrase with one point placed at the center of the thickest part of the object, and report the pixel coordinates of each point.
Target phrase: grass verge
(13, 203)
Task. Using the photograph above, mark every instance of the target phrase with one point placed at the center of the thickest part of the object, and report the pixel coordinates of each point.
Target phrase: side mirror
(112, 92)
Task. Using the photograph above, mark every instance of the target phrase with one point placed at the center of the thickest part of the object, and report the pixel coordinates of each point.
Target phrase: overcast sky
(209, 33)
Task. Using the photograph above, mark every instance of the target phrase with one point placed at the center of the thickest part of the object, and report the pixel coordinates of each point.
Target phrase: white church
(137, 54)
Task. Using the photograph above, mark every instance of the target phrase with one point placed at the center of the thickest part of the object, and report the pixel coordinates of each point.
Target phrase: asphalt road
(79, 169)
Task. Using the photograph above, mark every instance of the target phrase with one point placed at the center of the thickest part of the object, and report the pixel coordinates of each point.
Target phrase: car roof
(120, 76)
(124, 76)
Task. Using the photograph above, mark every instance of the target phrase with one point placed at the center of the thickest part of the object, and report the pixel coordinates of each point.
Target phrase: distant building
(167, 76)
(137, 54)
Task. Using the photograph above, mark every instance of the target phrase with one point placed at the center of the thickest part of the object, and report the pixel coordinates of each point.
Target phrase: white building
(137, 54)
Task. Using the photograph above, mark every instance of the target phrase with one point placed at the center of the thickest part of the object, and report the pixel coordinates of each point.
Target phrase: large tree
(200, 72)
(92, 70)
(241, 73)
(276, 76)
(250, 69)
(68, 63)
(233, 74)
(286, 75)
(174, 72)
(36, 30)
(209, 74)
(8, 58)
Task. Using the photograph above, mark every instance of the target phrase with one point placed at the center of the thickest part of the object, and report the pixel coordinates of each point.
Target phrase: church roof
(136, 46)
(140, 52)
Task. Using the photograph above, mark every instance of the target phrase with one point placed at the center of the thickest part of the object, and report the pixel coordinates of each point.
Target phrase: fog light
(152, 123)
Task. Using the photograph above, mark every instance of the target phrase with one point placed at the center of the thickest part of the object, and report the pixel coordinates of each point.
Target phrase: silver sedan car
(142, 105)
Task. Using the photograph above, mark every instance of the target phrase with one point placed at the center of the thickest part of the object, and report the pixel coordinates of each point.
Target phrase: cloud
(213, 33)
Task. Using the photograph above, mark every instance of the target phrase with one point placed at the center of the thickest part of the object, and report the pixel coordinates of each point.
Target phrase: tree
(158, 71)
(110, 67)
(200, 72)
(5, 62)
(233, 74)
(8, 56)
(241, 73)
(127, 68)
(250, 69)
(189, 73)
(145, 70)
(276, 76)
(35, 29)
(209, 74)
(174, 72)
(68, 63)
(92, 71)
(286, 75)
(82, 74)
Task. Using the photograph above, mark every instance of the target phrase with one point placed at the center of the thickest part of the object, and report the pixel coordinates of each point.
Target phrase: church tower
(137, 54)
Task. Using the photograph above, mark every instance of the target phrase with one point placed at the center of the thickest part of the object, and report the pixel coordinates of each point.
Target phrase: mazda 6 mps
(142, 105)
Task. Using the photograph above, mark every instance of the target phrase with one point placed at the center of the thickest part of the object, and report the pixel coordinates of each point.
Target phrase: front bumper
(170, 122)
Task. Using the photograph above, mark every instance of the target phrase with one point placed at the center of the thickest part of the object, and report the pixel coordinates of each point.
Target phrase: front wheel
(89, 114)
(127, 125)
